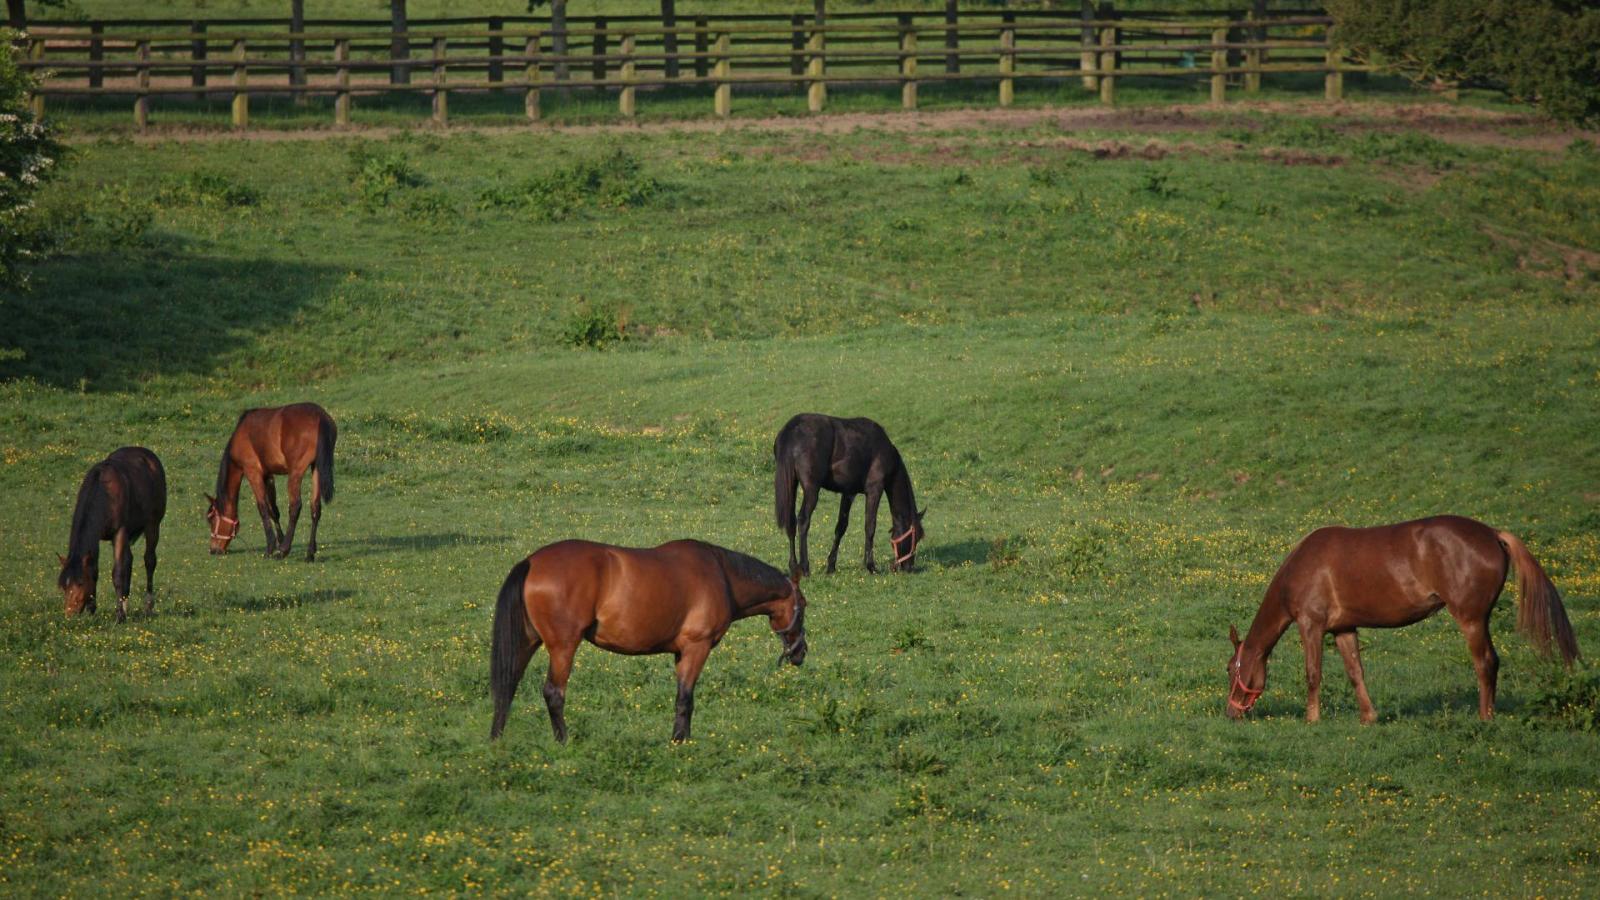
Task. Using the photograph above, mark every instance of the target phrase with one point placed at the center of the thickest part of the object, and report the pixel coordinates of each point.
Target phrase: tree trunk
(952, 40)
(822, 12)
(16, 16)
(297, 48)
(669, 41)
(558, 36)
(399, 48)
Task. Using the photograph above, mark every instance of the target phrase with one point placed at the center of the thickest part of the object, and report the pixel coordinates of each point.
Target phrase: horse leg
(1311, 638)
(838, 530)
(316, 514)
(808, 505)
(295, 480)
(555, 686)
(874, 494)
(261, 486)
(122, 571)
(690, 662)
(1484, 660)
(152, 534)
(272, 504)
(1350, 649)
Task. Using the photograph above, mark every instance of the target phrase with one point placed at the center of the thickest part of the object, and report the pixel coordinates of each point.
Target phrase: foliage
(594, 326)
(207, 189)
(380, 174)
(1570, 699)
(614, 181)
(1545, 52)
(29, 156)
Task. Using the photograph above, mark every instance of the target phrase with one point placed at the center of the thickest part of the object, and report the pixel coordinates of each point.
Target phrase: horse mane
(88, 518)
(902, 499)
(222, 469)
(747, 568)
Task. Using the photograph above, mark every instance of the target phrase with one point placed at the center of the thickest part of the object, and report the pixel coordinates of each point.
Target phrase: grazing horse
(677, 598)
(848, 456)
(284, 440)
(1341, 579)
(121, 498)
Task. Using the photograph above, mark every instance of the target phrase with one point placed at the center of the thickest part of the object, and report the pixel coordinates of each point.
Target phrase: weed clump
(616, 181)
(594, 327)
(380, 175)
(207, 189)
(1570, 699)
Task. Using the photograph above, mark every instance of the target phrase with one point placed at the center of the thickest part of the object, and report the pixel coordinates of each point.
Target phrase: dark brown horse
(850, 457)
(677, 598)
(121, 498)
(1341, 579)
(284, 440)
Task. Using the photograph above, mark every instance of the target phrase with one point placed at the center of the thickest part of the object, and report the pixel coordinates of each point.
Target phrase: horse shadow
(107, 321)
(397, 543)
(959, 553)
(277, 602)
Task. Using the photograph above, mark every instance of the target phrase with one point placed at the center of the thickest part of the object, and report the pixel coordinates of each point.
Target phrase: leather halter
(1251, 695)
(216, 533)
(911, 532)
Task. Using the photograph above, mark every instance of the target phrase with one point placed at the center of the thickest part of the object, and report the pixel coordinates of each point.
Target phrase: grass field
(1130, 360)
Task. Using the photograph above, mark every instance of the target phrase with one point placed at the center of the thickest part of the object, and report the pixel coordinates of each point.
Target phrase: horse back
(135, 484)
(279, 439)
(840, 454)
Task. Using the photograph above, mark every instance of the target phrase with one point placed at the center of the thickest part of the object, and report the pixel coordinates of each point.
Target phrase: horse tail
(1540, 614)
(327, 435)
(783, 487)
(508, 655)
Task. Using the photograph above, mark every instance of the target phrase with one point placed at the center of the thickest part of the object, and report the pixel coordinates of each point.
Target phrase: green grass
(1125, 387)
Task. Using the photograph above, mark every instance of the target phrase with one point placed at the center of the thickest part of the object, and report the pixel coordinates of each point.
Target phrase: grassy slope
(1125, 387)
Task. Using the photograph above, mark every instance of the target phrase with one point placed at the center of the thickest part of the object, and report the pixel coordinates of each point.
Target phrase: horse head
(77, 581)
(223, 528)
(1247, 677)
(904, 540)
(788, 620)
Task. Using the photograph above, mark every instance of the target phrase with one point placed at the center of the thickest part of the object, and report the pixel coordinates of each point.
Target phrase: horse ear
(63, 560)
(1233, 635)
(921, 512)
(210, 500)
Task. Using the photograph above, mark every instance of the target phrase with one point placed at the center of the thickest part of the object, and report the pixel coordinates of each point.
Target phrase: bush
(379, 175)
(616, 181)
(29, 154)
(594, 326)
(1537, 51)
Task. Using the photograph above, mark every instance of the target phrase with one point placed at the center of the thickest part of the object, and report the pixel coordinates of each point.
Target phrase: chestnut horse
(677, 598)
(284, 440)
(850, 457)
(1341, 579)
(121, 497)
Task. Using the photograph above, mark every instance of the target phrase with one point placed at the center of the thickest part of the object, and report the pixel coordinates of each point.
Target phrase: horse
(284, 440)
(1340, 579)
(847, 456)
(677, 598)
(121, 498)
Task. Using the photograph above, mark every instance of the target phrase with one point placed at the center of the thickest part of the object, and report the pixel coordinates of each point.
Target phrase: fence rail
(244, 58)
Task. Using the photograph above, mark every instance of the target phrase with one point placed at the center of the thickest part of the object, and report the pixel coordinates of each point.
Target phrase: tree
(1544, 52)
(29, 154)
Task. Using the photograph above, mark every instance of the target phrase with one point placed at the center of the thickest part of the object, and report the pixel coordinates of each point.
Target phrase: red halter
(894, 542)
(216, 533)
(1251, 695)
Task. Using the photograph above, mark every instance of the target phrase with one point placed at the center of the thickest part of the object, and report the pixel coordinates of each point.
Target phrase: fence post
(1333, 82)
(36, 99)
(530, 97)
(141, 103)
(1219, 66)
(1008, 59)
(197, 52)
(441, 96)
(702, 66)
(241, 80)
(1108, 65)
(669, 41)
(341, 100)
(908, 63)
(952, 40)
(297, 55)
(600, 50)
(797, 45)
(1087, 58)
(625, 102)
(497, 49)
(1252, 57)
(97, 53)
(723, 101)
(816, 89)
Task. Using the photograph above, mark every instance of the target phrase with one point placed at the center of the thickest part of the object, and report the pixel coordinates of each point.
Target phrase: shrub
(378, 175)
(29, 153)
(1537, 51)
(616, 181)
(1570, 699)
(596, 327)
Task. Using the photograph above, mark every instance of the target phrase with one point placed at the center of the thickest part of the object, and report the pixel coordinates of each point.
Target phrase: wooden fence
(240, 59)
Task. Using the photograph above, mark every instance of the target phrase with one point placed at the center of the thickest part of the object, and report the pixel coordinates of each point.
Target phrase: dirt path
(1457, 124)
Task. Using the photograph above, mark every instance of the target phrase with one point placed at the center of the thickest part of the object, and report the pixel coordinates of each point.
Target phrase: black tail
(508, 656)
(783, 485)
(327, 434)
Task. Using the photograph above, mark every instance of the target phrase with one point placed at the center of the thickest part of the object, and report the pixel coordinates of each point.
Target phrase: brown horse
(120, 498)
(1341, 579)
(677, 598)
(284, 440)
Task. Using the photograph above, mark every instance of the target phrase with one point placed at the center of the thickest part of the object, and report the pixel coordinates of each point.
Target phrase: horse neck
(902, 500)
(750, 595)
(228, 481)
(1271, 621)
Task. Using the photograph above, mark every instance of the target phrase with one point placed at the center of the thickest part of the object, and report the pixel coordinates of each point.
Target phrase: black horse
(122, 497)
(848, 456)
